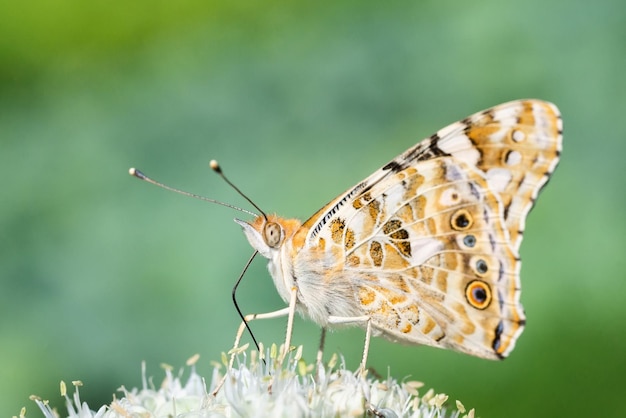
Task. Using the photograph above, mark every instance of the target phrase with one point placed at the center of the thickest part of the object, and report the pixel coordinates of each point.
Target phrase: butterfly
(425, 250)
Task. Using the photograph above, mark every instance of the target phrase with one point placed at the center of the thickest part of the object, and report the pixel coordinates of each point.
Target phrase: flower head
(260, 386)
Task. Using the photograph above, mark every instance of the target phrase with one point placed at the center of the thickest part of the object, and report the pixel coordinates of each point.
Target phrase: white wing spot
(424, 249)
(518, 136)
(450, 197)
(461, 148)
(498, 179)
(513, 158)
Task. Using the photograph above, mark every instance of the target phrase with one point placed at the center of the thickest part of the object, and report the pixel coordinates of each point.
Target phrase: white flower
(255, 388)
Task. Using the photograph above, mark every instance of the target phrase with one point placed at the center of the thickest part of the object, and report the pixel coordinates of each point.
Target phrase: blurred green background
(298, 101)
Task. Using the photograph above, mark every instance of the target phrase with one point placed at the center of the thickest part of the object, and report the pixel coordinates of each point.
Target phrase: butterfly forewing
(516, 146)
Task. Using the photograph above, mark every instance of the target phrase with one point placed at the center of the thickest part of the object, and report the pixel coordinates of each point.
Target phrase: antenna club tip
(215, 166)
(136, 173)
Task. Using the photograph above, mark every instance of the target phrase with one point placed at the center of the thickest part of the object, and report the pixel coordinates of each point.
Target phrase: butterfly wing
(516, 146)
(430, 241)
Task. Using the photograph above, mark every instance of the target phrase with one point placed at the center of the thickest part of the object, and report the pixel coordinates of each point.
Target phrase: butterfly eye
(272, 234)
(478, 294)
(461, 220)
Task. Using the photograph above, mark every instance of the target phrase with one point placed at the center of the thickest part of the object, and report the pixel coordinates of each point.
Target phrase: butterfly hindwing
(419, 246)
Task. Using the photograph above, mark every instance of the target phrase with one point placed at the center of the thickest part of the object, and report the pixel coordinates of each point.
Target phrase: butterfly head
(267, 235)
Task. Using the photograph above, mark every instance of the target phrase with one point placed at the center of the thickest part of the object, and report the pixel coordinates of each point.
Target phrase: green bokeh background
(298, 101)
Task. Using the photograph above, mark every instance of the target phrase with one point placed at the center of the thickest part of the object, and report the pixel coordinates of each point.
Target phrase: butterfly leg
(366, 347)
(320, 349)
(291, 313)
(242, 328)
(320, 353)
(368, 334)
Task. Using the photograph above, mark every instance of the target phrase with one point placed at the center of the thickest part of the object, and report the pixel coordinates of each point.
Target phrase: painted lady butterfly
(426, 249)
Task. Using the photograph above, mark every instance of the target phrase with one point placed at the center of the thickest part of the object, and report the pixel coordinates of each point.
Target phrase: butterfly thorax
(315, 269)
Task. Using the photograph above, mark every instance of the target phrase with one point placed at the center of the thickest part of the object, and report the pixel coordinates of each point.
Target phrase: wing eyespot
(481, 267)
(461, 220)
(469, 240)
(478, 294)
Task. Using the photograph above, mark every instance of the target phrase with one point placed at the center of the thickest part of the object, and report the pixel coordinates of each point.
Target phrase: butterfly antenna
(243, 318)
(136, 173)
(216, 167)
